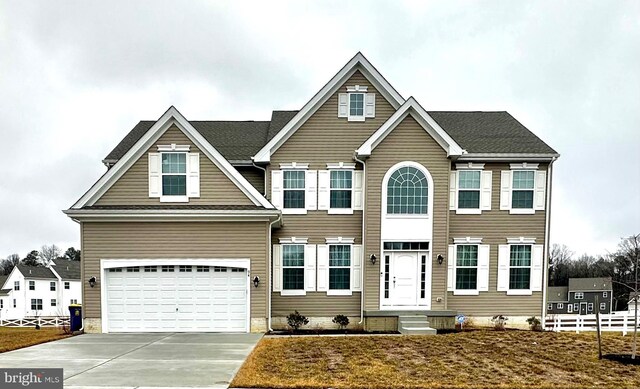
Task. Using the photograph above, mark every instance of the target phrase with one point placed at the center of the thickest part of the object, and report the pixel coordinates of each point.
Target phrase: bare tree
(559, 264)
(9, 263)
(628, 257)
(49, 253)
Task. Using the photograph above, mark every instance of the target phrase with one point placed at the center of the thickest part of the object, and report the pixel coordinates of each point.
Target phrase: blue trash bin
(75, 317)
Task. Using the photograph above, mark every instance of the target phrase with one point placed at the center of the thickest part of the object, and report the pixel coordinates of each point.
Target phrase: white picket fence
(33, 321)
(617, 321)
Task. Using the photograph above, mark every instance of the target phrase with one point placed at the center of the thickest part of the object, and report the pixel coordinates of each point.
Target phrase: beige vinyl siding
(494, 227)
(407, 142)
(174, 240)
(133, 187)
(325, 138)
(318, 225)
(316, 304)
(254, 175)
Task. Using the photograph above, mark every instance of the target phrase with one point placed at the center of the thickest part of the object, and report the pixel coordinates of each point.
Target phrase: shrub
(499, 322)
(296, 320)
(341, 320)
(534, 323)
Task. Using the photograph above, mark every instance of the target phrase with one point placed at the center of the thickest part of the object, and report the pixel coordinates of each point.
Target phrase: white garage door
(176, 298)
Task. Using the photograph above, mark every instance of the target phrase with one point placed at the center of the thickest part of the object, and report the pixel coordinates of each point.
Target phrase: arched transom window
(407, 192)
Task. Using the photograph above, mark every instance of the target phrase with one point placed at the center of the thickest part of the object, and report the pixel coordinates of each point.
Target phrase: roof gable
(411, 107)
(357, 63)
(36, 272)
(171, 117)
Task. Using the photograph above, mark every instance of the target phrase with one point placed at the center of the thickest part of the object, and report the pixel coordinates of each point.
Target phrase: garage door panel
(204, 299)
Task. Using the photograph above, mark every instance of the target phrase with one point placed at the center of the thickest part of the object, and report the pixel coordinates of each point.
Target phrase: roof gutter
(547, 229)
(364, 199)
(507, 157)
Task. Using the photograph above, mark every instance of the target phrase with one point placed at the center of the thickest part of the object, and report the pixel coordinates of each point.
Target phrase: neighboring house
(40, 291)
(580, 297)
(633, 299)
(362, 203)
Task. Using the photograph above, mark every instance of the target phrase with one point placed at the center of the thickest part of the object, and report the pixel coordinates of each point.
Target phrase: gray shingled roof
(557, 293)
(590, 284)
(5, 292)
(476, 132)
(490, 132)
(36, 272)
(68, 270)
(3, 279)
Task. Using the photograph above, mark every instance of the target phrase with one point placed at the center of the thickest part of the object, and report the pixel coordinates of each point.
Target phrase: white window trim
(560, 305)
(521, 240)
(468, 241)
(341, 211)
(605, 294)
(534, 249)
(177, 150)
(343, 242)
(524, 166)
(484, 190)
(356, 118)
(575, 295)
(341, 165)
(294, 240)
(294, 166)
(339, 240)
(569, 308)
(173, 147)
(603, 306)
(550, 306)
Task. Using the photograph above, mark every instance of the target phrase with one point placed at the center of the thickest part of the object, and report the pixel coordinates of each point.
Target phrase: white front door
(404, 274)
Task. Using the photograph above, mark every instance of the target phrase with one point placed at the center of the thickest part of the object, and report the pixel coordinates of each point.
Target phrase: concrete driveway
(140, 360)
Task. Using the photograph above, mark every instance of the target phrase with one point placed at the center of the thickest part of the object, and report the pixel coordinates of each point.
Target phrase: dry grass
(14, 338)
(478, 359)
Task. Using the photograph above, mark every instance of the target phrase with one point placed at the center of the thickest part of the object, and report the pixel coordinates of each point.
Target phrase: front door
(404, 276)
(583, 308)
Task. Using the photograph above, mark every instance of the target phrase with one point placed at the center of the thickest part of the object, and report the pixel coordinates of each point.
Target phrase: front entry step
(415, 325)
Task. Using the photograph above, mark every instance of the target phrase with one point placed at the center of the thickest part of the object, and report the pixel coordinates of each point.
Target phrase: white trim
(170, 117)
(340, 211)
(341, 165)
(522, 211)
(294, 240)
(358, 62)
(467, 240)
(174, 199)
(291, 292)
(173, 147)
(466, 292)
(508, 157)
(170, 215)
(468, 211)
(519, 292)
(339, 292)
(357, 88)
(111, 263)
(294, 165)
(294, 211)
(411, 106)
(469, 166)
(521, 240)
(524, 166)
(339, 240)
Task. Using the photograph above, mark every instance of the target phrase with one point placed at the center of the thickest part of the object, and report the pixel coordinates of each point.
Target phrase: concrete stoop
(415, 325)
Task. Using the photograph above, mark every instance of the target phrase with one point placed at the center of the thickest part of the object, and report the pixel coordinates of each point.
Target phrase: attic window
(356, 104)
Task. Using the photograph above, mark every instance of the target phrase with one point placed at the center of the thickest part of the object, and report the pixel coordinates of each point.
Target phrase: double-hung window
(36, 304)
(54, 302)
(341, 185)
(16, 285)
(578, 295)
(73, 301)
(469, 189)
(356, 104)
(560, 306)
(294, 189)
(339, 267)
(520, 266)
(293, 267)
(569, 308)
(67, 285)
(523, 188)
(52, 286)
(467, 267)
(174, 174)
(32, 285)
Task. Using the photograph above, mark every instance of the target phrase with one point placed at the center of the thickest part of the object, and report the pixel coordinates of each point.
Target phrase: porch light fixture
(440, 259)
(372, 258)
(256, 281)
(92, 282)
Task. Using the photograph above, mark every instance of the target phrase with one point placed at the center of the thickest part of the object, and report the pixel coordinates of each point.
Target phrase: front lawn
(475, 359)
(12, 338)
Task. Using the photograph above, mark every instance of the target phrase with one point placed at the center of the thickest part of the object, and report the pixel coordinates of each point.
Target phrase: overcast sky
(75, 77)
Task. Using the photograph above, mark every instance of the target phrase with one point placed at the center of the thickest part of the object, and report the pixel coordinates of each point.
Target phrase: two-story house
(40, 291)
(583, 296)
(361, 203)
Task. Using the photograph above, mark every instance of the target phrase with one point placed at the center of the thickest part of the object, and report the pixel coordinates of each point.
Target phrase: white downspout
(547, 228)
(364, 251)
(269, 268)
